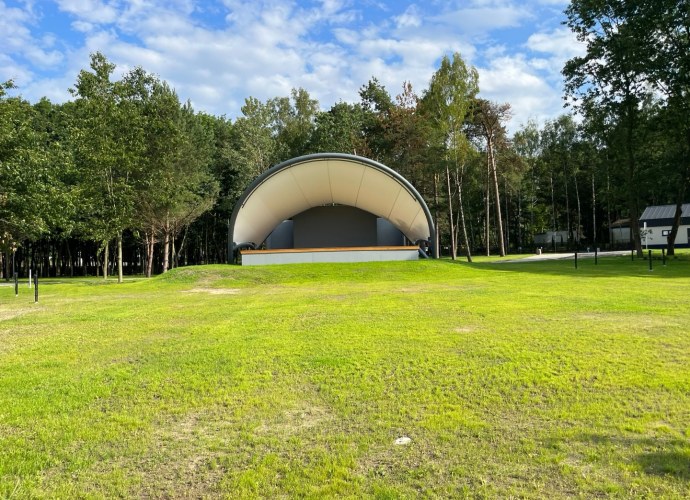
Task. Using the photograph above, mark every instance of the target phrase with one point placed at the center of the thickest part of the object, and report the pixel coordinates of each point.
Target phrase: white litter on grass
(402, 441)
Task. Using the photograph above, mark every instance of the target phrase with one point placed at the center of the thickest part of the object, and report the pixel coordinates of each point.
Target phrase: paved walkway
(563, 256)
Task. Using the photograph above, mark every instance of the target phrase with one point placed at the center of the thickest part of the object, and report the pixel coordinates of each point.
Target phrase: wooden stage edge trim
(330, 249)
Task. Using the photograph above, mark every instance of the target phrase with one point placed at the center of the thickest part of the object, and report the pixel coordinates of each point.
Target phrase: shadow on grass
(607, 267)
(666, 463)
(670, 458)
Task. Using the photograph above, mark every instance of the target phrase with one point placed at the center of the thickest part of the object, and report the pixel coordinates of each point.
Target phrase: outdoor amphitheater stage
(334, 254)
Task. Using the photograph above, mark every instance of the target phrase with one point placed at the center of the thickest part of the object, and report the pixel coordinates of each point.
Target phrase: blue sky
(218, 52)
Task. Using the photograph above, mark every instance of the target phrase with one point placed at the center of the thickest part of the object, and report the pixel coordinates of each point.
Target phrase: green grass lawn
(524, 380)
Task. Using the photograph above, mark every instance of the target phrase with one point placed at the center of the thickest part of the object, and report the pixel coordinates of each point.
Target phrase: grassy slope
(511, 379)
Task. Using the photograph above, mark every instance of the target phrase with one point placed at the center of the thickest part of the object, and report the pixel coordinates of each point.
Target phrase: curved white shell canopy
(311, 181)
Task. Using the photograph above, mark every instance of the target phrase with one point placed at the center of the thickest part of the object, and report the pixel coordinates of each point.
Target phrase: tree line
(126, 178)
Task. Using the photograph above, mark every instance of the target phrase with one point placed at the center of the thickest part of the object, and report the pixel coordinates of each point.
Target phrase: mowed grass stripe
(513, 379)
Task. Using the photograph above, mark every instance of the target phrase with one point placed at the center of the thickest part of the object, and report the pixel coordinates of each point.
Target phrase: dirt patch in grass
(296, 420)
(190, 459)
(184, 460)
(11, 336)
(190, 428)
(640, 320)
(215, 291)
(463, 329)
(8, 315)
(394, 464)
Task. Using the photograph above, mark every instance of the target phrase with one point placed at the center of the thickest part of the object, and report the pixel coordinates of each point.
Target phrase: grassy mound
(510, 380)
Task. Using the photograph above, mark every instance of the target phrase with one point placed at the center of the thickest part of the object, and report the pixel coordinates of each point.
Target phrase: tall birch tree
(447, 105)
(489, 121)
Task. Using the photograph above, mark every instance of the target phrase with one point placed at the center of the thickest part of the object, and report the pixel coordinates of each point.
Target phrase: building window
(665, 232)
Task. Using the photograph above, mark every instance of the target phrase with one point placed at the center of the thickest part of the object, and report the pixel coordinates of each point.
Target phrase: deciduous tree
(447, 104)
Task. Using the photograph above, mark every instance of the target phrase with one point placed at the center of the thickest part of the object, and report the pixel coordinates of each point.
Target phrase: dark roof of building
(621, 223)
(664, 212)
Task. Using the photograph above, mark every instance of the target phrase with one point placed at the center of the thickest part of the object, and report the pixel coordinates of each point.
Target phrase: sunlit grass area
(526, 379)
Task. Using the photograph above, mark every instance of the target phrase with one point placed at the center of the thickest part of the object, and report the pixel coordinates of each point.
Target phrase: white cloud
(48, 40)
(346, 36)
(560, 43)
(552, 50)
(55, 89)
(41, 58)
(9, 70)
(83, 26)
(331, 7)
(531, 96)
(483, 19)
(13, 30)
(410, 18)
(23, 54)
(93, 11)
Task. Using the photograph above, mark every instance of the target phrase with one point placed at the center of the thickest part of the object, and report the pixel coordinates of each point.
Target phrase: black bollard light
(663, 256)
(575, 259)
(16, 284)
(596, 256)
(36, 287)
(632, 254)
(650, 260)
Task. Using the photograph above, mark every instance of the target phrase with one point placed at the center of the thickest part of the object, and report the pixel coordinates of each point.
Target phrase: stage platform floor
(337, 254)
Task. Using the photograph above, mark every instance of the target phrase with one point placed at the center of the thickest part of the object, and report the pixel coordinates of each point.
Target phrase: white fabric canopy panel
(311, 181)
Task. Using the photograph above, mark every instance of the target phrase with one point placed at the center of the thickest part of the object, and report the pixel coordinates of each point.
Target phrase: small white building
(619, 232)
(559, 238)
(658, 221)
(546, 238)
